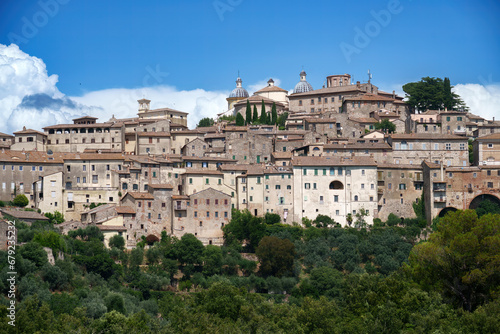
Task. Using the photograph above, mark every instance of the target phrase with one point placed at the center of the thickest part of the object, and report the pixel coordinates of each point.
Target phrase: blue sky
(100, 45)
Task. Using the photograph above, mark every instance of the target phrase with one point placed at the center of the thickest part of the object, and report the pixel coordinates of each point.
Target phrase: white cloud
(483, 100)
(122, 103)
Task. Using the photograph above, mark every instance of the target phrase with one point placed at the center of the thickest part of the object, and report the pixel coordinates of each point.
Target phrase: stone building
(416, 147)
(84, 134)
(203, 214)
(451, 188)
(273, 93)
(334, 186)
(20, 173)
(29, 140)
(175, 116)
(6, 141)
(487, 150)
(399, 186)
(195, 148)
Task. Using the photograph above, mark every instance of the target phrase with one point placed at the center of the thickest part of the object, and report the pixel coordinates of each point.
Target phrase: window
(362, 186)
(278, 187)
(251, 198)
(490, 184)
(355, 198)
(93, 168)
(84, 179)
(282, 200)
(459, 118)
(20, 168)
(389, 186)
(490, 145)
(340, 171)
(436, 146)
(332, 171)
(372, 186)
(305, 171)
(336, 198)
(208, 214)
(314, 186)
(95, 178)
(196, 214)
(208, 201)
(402, 186)
(362, 172)
(448, 146)
(462, 146)
(190, 180)
(324, 171)
(207, 181)
(289, 187)
(149, 204)
(216, 214)
(307, 186)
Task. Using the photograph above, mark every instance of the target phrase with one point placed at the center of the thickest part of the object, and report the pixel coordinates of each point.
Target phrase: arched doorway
(478, 199)
(444, 211)
(336, 185)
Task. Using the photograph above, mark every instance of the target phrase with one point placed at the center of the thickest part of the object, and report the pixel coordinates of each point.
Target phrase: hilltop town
(327, 155)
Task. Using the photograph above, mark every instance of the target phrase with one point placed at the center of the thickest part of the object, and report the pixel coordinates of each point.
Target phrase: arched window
(336, 185)
(355, 198)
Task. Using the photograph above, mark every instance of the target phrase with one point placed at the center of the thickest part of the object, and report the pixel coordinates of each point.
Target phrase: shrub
(20, 200)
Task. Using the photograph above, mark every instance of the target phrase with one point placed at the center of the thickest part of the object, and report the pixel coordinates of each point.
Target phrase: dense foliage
(432, 94)
(205, 122)
(387, 278)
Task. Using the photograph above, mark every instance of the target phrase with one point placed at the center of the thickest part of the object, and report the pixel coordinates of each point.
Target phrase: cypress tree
(255, 118)
(239, 120)
(447, 95)
(248, 118)
(263, 115)
(274, 114)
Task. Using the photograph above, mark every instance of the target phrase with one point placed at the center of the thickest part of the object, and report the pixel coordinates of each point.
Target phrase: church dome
(303, 86)
(239, 91)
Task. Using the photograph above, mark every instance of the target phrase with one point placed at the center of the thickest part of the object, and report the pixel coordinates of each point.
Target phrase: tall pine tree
(248, 118)
(255, 118)
(263, 115)
(274, 114)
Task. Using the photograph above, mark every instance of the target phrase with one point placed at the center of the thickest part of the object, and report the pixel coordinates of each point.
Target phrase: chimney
(393, 94)
(358, 84)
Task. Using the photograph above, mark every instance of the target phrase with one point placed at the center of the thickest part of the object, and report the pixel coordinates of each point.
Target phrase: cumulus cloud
(30, 97)
(122, 103)
(483, 100)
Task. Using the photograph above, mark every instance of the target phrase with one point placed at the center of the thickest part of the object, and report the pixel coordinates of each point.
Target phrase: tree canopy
(432, 94)
(386, 126)
(461, 258)
(205, 122)
(240, 121)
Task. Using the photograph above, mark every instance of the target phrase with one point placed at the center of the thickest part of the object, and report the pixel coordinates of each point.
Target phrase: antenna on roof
(369, 76)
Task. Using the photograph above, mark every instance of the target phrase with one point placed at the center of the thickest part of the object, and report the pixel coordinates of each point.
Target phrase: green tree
(276, 256)
(360, 218)
(240, 121)
(50, 239)
(323, 221)
(386, 126)
(447, 94)
(263, 114)
(272, 218)
(486, 207)
(189, 250)
(34, 252)
(471, 151)
(244, 228)
(117, 241)
(460, 259)
(20, 200)
(282, 119)
(55, 218)
(255, 118)
(274, 114)
(430, 94)
(248, 114)
(205, 122)
(212, 260)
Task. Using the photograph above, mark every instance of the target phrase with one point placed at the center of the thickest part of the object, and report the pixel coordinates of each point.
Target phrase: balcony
(437, 187)
(180, 206)
(440, 199)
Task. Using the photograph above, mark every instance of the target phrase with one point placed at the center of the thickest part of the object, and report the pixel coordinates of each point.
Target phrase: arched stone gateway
(443, 212)
(478, 199)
